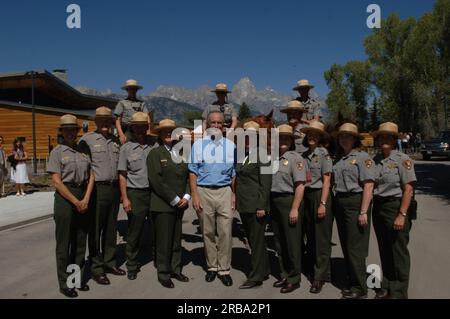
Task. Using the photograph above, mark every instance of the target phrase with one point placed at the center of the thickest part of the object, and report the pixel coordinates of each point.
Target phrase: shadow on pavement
(433, 179)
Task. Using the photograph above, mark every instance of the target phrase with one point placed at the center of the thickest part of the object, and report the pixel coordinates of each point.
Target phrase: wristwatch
(323, 203)
(403, 214)
(362, 213)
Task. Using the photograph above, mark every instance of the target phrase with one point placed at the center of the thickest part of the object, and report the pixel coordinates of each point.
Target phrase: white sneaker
(18, 194)
(23, 194)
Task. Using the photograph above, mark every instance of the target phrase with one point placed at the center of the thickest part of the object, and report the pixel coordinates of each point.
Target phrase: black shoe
(226, 280)
(250, 284)
(167, 283)
(382, 294)
(101, 279)
(354, 295)
(210, 276)
(84, 287)
(346, 291)
(180, 277)
(132, 275)
(316, 286)
(116, 271)
(289, 288)
(279, 283)
(69, 292)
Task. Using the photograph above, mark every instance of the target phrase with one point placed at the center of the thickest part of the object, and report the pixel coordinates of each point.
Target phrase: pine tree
(244, 112)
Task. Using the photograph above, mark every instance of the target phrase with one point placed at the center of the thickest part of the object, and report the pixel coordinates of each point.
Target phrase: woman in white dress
(19, 173)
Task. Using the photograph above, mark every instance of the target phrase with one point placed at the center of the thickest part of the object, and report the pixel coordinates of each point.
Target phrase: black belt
(386, 199)
(281, 194)
(213, 187)
(108, 183)
(77, 185)
(138, 189)
(348, 194)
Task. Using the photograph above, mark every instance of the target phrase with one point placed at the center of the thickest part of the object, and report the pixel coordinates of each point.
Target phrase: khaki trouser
(217, 216)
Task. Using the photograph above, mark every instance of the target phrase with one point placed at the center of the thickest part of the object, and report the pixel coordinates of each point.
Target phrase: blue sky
(190, 43)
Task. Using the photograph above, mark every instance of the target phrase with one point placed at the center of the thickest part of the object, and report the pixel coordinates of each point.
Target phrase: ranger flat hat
(251, 126)
(139, 118)
(166, 123)
(131, 84)
(294, 106)
(302, 84)
(103, 111)
(184, 133)
(315, 126)
(221, 88)
(286, 129)
(388, 128)
(349, 128)
(68, 121)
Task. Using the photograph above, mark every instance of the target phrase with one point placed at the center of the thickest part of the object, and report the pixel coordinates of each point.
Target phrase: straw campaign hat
(286, 129)
(139, 118)
(221, 88)
(251, 126)
(68, 121)
(315, 126)
(387, 128)
(103, 111)
(166, 123)
(294, 106)
(303, 83)
(132, 84)
(349, 128)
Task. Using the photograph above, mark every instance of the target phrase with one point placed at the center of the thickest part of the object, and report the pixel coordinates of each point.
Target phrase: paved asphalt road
(28, 259)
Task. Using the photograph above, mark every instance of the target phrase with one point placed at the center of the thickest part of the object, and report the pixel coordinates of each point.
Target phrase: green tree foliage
(191, 116)
(408, 66)
(244, 112)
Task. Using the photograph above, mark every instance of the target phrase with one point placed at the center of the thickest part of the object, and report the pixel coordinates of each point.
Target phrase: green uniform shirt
(351, 170)
(392, 173)
(252, 187)
(133, 160)
(168, 180)
(292, 169)
(312, 106)
(126, 108)
(299, 147)
(104, 154)
(71, 164)
(227, 110)
(319, 164)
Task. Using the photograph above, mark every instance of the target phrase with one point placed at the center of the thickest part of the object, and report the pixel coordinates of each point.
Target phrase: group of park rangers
(310, 189)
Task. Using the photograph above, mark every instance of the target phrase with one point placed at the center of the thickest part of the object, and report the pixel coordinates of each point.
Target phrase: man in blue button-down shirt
(211, 177)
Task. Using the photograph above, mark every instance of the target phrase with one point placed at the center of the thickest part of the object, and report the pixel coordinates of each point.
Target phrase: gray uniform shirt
(227, 109)
(351, 170)
(292, 169)
(2, 158)
(299, 147)
(312, 106)
(319, 163)
(74, 166)
(392, 173)
(104, 154)
(126, 108)
(133, 160)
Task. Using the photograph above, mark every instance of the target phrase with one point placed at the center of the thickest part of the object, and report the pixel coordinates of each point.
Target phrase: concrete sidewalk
(17, 210)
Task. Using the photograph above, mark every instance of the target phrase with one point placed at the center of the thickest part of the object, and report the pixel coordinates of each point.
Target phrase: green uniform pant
(168, 227)
(255, 229)
(104, 232)
(318, 235)
(354, 238)
(393, 246)
(287, 237)
(140, 210)
(71, 230)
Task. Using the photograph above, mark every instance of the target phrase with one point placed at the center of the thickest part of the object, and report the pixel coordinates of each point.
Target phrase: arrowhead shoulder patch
(407, 164)
(300, 166)
(368, 163)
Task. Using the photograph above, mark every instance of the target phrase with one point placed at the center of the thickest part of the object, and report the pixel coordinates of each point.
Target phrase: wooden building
(53, 97)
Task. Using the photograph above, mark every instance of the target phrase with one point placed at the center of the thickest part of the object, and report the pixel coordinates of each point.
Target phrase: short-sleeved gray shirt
(392, 173)
(351, 171)
(126, 108)
(292, 169)
(319, 164)
(72, 165)
(133, 160)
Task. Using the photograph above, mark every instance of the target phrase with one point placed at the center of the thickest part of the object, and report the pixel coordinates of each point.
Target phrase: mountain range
(174, 101)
